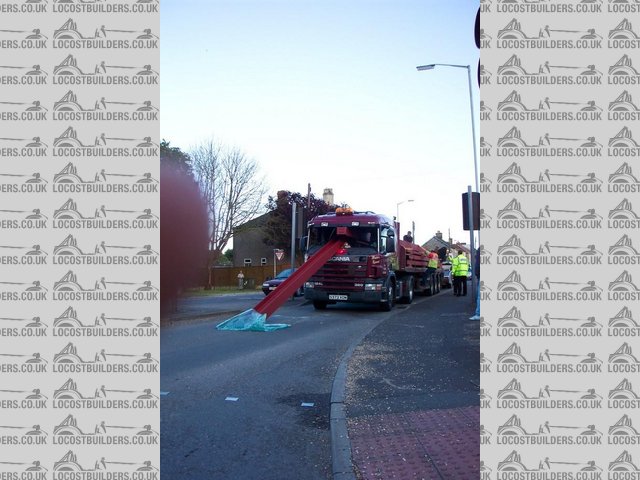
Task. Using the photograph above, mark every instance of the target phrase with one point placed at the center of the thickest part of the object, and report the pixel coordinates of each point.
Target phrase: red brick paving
(426, 445)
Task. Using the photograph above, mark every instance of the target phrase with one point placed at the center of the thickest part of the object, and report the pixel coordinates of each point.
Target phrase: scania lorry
(372, 266)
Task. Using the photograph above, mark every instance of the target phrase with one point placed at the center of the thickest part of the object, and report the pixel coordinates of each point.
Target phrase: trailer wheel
(408, 298)
(319, 305)
(429, 288)
(391, 294)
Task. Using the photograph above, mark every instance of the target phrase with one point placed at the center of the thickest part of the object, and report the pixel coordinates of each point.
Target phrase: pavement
(405, 398)
(411, 396)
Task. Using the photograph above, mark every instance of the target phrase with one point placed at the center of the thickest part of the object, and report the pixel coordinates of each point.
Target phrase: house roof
(253, 223)
(438, 243)
(435, 243)
(459, 246)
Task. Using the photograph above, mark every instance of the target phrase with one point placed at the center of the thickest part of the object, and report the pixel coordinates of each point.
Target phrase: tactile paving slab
(429, 445)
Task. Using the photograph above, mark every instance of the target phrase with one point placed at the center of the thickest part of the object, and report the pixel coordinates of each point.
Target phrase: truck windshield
(366, 240)
(319, 236)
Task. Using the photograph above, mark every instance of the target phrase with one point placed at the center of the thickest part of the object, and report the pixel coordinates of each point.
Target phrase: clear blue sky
(326, 92)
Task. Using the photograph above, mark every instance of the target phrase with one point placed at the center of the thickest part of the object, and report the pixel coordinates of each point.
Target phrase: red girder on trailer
(286, 289)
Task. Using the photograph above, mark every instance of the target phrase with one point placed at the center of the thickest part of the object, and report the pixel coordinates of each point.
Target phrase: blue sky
(327, 93)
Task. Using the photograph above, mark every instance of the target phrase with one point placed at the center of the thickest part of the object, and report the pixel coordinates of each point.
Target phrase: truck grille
(342, 276)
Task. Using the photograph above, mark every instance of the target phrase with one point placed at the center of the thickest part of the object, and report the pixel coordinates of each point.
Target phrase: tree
(278, 226)
(183, 233)
(175, 158)
(232, 187)
(226, 259)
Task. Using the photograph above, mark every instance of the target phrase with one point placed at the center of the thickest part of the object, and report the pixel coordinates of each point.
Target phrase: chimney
(327, 196)
(439, 234)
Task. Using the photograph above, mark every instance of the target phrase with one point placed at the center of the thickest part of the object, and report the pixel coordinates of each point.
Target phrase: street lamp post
(398, 209)
(398, 213)
(473, 121)
(475, 157)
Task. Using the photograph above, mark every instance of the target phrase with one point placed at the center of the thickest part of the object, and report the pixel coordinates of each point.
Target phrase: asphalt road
(266, 433)
(219, 303)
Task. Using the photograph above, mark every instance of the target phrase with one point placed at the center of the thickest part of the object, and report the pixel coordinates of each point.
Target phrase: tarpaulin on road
(251, 321)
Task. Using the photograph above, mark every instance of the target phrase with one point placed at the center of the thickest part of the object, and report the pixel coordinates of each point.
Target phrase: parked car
(446, 275)
(270, 285)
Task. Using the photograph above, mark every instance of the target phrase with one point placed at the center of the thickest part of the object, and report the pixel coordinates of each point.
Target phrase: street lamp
(473, 121)
(475, 158)
(398, 208)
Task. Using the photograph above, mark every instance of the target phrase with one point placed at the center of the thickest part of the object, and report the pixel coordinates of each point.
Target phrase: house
(442, 246)
(436, 242)
(249, 249)
(462, 246)
(249, 246)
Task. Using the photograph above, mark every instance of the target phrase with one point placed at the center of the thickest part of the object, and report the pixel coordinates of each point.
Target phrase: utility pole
(294, 208)
(307, 216)
(293, 234)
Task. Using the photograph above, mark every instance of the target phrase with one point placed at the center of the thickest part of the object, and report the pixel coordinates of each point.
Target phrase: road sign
(279, 254)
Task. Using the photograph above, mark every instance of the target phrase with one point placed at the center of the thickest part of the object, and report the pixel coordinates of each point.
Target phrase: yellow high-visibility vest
(462, 266)
(454, 266)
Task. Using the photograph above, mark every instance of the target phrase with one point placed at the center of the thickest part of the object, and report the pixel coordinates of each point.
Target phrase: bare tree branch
(232, 186)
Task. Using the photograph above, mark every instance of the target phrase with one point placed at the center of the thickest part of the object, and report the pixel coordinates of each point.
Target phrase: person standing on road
(452, 274)
(460, 267)
(476, 272)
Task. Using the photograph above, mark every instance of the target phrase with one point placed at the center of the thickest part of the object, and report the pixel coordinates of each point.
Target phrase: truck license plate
(338, 297)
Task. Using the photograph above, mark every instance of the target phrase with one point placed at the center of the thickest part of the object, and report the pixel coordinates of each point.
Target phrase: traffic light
(477, 30)
(477, 35)
(475, 208)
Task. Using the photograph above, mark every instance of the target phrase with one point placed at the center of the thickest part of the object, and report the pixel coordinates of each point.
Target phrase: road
(219, 303)
(266, 433)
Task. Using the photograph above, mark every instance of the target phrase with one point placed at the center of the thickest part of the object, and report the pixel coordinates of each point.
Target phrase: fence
(228, 276)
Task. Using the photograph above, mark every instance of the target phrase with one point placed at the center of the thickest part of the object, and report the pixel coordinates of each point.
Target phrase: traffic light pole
(471, 242)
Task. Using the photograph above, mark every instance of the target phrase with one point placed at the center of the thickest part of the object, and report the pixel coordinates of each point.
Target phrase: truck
(372, 266)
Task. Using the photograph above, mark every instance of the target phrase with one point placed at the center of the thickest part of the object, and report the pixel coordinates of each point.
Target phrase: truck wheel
(388, 304)
(319, 305)
(408, 297)
(429, 288)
